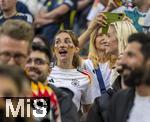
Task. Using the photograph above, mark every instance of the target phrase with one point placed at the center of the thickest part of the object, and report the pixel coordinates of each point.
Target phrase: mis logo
(23, 107)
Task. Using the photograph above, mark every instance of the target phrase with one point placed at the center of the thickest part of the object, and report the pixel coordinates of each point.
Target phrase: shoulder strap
(100, 80)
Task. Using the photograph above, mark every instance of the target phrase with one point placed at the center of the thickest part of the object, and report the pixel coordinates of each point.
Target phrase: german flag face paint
(64, 47)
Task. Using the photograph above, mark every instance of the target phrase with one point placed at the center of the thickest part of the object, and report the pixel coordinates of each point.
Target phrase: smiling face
(100, 42)
(64, 48)
(132, 63)
(37, 66)
(112, 42)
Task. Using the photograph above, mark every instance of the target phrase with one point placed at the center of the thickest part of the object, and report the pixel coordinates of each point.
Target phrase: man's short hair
(144, 40)
(17, 29)
(48, 53)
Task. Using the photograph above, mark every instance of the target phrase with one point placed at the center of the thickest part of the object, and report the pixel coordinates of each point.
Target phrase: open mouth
(63, 52)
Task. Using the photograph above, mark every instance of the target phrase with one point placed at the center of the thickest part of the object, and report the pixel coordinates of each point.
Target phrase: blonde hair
(124, 29)
(93, 54)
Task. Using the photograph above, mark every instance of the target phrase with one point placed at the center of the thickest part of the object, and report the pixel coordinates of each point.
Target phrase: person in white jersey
(66, 73)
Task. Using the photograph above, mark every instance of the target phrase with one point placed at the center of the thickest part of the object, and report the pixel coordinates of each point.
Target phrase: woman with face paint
(66, 73)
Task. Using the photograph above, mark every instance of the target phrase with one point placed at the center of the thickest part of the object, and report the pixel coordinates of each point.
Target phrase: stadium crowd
(89, 59)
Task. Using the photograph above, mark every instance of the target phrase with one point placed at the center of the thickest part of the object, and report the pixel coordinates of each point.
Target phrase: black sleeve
(67, 108)
(112, 108)
(94, 114)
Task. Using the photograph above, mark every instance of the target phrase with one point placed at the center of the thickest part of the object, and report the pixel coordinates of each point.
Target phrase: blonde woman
(117, 40)
(104, 51)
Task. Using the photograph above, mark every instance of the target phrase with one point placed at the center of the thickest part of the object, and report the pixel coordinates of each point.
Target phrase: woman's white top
(75, 80)
(106, 73)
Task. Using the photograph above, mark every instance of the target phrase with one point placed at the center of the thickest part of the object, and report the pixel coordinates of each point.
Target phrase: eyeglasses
(6, 56)
(37, 61)
(40, 61)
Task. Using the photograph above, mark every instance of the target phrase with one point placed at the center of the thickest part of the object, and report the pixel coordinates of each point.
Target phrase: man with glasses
(38, 67)
(39, 64)
(15, 40)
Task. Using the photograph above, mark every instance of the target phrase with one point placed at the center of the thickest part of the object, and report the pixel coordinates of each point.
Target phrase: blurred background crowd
(91, 58)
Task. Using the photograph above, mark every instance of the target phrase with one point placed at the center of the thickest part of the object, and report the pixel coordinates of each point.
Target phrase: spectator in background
(39, 64)
(59, 14)
(117, 41)
(97, 57)
(132, 104)
(147, 23)
(83, 8)
(98, 6)
(138, 14)
(9, 11)
(37, 68)
(34, 6)
(22, 8)
(11, 79)
(112, 44)
(15, 41)
(41, 40)
(98, 111)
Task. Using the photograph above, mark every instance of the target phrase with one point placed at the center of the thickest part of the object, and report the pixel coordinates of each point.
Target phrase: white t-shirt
(74, 80)
(147, 22)
(140, 112)
(94, 11)
(105, 71)
(34, 6)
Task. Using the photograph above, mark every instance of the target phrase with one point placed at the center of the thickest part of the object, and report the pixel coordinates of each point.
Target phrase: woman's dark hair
(45, 41)
(143, 39)
(44, 49)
